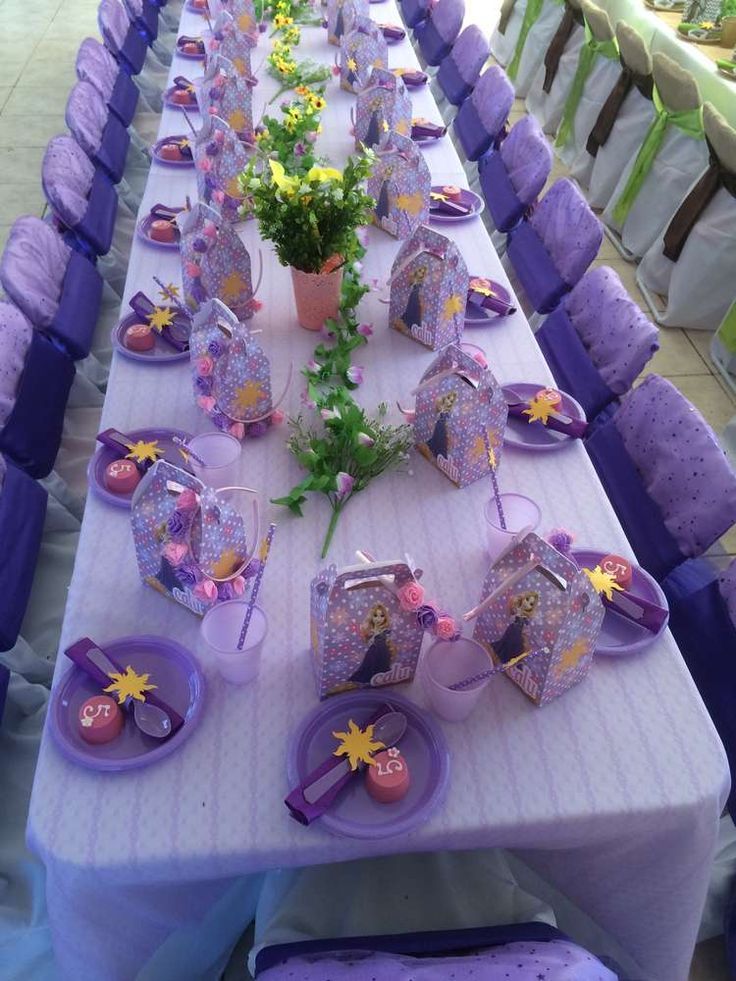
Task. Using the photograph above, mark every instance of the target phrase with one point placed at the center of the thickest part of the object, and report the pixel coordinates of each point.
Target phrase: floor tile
(705, 392)
(4, 232)
(676, 355)
(31, 99)
(5, 91)
(700, 339)
(11, 69)
(21, 199)
(52, 70)
(20, 165)
(22, 131)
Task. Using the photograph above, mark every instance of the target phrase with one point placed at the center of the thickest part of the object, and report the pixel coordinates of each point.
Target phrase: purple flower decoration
(427, 616)
(221, 420)
(344, 484)
(199, 244)
(177, 526)
(365, 330)
(354, 374)
(216, 349)
(203, 385)
(299, 149)
(225, 591)
(257, 428)
(187, 575)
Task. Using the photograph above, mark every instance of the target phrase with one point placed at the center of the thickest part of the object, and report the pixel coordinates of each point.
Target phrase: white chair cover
(548, 107)
(504, 45)
(537, 41)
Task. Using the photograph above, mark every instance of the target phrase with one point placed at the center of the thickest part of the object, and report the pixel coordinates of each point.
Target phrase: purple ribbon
(392, 32)
(571, 427)
(161, 212)
(177, 333)
(181, 82)
(427, 131)
(498, 302)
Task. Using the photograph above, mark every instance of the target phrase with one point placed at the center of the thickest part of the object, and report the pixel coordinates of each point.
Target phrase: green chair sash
(590, 50)
(532, 12)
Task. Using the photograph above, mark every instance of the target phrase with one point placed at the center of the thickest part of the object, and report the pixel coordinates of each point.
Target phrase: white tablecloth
(613, 791)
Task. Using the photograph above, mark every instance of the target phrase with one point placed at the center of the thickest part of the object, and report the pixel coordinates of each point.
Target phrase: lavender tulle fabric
(32, 268)
(617, 334)
(86, 115)
(96, 65)
(15, 339)
(67, 175)
(570, 231)
(447, 18)
(493, 97)
(553, 961)
(113, 23)
(727, 585)
(527, 156)
(682, 466)
(470, 52)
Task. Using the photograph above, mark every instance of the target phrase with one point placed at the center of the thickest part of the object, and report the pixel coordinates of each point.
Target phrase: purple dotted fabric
(727, 584)
(447, 18)
(32, 268)
(15, 339)
(113, 22)
(570, 231)
(551, 961)
(470, 52)
(617, 334)
(86, 116)
(67, 175)
(493, 97)
(527, 157)
(678, 457)
(95, 64)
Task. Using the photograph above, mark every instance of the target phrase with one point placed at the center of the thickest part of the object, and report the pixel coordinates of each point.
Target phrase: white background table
(613, 791)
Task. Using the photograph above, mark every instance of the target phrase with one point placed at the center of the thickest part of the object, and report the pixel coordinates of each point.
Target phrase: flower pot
(317, 296)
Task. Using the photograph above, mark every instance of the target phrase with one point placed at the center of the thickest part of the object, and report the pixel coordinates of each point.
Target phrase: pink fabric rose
(187, 500)
(411, 596)
(193, 270)
(175, 552)
(206, 591)
(218, 196)
(237, 430)
(209, 228)
(238, 584)
(205, 365)
(207, 403)
(277, 417)
(446, 628)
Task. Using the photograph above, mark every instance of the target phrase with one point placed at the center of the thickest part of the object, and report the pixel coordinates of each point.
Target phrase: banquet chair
(460, 70)
(670, 158)
(96, 65)
(553, 80)
(98, 131)
(541, 22)
(22, 510)
(481, 120)
(692, 264)
(129, 46)
(33, 366)
(597, 70)
(144, 16)
(665, 474)
(597, 342)
(414, 11)
(506, 35)
(624, 116)
(513, 175)
(550, 250)
(4, 679)
(437, 34)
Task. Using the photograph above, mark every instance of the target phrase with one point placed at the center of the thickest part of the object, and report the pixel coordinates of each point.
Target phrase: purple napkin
(392, 32)
(425, 130)
(499, 300)
(448, 207)
(160, 212)
(182, 82)
(415, 78)
(557, 422)
(176, 333)
(626, 604)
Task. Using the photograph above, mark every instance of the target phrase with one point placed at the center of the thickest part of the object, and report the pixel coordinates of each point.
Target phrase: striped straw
(190, 452)
(265, 549)
(499, 669)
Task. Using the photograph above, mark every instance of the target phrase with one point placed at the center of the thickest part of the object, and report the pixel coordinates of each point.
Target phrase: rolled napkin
(161, 212)
(558, 422)
(489, 295)
(626, 604)
(392, 32)
(424, 129)
(174, 325)
(441, 204)
(182, 82)
(78, 653)
(413, 78)
(190, 43)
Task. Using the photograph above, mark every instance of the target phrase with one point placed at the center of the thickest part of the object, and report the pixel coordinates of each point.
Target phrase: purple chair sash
(655, 548)
(571, 365)
(414, 11)
(113, 149)
(474, 138)
(504, 204)
(145, 17)
(534, 266)
(22, 510)
(454, 86)
(79, 306)
(133, 52)
(98, 222)
(4, 679)
(32, 432)
(124, 98)
(431, 43)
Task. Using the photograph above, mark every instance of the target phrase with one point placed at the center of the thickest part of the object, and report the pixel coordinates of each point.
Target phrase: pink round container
(221, 628)
(221, 455)
(521, 514)
(445, 663)
(317, 296)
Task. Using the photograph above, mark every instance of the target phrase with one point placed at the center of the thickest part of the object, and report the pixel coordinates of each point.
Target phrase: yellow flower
(288, 185)
(324, 174)
(316, 101)
(128, 684)
(357, 744)
(303, 90)
(281, 20)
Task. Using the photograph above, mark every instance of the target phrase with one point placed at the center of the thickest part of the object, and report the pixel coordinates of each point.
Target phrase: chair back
(598, 21)
(633, 50)
(414, 11)
(113, 22)
(86, 115)
(447, 18)
(680, 462)
(527, 157)
(67, 175)
(493, 98)
(568, 229)
(676, 86)
(727, 586)
(16, 333)
(470, 53)
(96, 65)
(32, 269)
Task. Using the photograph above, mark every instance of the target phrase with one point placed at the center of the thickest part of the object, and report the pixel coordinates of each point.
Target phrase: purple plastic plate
(531, 435)
(191, 57)
(160, 353)
(356, 814)
(170, 163)
(143, 229)
(478, 316)
(104, 455)
(619, 635)
(192, 106)
(179, 679)
(469, 199)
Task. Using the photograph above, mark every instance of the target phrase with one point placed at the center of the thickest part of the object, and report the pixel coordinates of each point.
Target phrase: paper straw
(494, 481)
(265, 549)
(190, 452)
(190, 124)
(499, 669)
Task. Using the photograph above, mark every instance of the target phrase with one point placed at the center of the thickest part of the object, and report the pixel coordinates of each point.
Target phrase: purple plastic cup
(445, 663)
(522, 514)
(221, 628)
(221, 455)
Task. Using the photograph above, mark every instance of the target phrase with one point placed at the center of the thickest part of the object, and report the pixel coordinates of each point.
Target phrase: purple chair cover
(95, 64)
(145, 17)
(22, 510)
(680, 462)
(727, 586)
(436, 35)
(414, 11)
(480, 120)
(512, 176)
(31, 429)
(99, 133)
(4, 679)
(705, 630)
(461, 68)
(120, 36)
(57, 289)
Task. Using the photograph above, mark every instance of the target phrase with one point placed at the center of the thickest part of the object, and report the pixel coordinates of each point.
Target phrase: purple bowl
(155, 149)
(534, 436)
(160, 353)
(180, 680)
(105, 454)
(469, 198)
(143, 230)
(356, 814)
(618, 635)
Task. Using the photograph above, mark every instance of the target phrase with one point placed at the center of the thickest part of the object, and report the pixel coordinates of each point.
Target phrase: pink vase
(317, 296)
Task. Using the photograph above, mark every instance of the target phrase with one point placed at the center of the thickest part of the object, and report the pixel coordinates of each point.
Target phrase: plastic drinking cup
(445, 663)
(221, 628)
(221, 454)
(521, 514)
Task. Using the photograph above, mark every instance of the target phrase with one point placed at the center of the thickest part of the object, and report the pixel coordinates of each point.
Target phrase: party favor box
(400, 185)
(219, 159)
(227, 94)
(460, 416)
(341, 17)
(361, 49)
(429, 284)
(360, 635)
(535, 599)
(228, 41)
(383, 106)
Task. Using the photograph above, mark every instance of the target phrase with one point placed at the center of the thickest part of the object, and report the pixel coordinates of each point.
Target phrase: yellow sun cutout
(128, 684)
(358, 745)
(572, 656)
(233, 286)
(233, 187)
(160, 318)
(227, 564)
(411, 203)
(602, 582)
(539, 411)
(237, 120)
(249, 395)
(352, 64)
(453, 305)
(141, 451)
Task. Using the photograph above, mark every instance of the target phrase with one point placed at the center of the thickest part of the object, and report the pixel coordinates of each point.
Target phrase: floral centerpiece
(290, 73)
(291, 139)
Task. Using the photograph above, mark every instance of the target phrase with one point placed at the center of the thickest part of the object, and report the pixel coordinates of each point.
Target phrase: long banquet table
(613, 792)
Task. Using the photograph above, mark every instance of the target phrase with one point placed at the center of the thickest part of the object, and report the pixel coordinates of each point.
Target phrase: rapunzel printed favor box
(383, 107)
(400, 185)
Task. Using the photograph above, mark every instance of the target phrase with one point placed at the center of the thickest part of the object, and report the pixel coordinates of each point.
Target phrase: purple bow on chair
(176, 333)
(558, 422)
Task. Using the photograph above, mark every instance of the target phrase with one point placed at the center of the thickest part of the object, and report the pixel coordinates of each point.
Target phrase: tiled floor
(38, 45)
